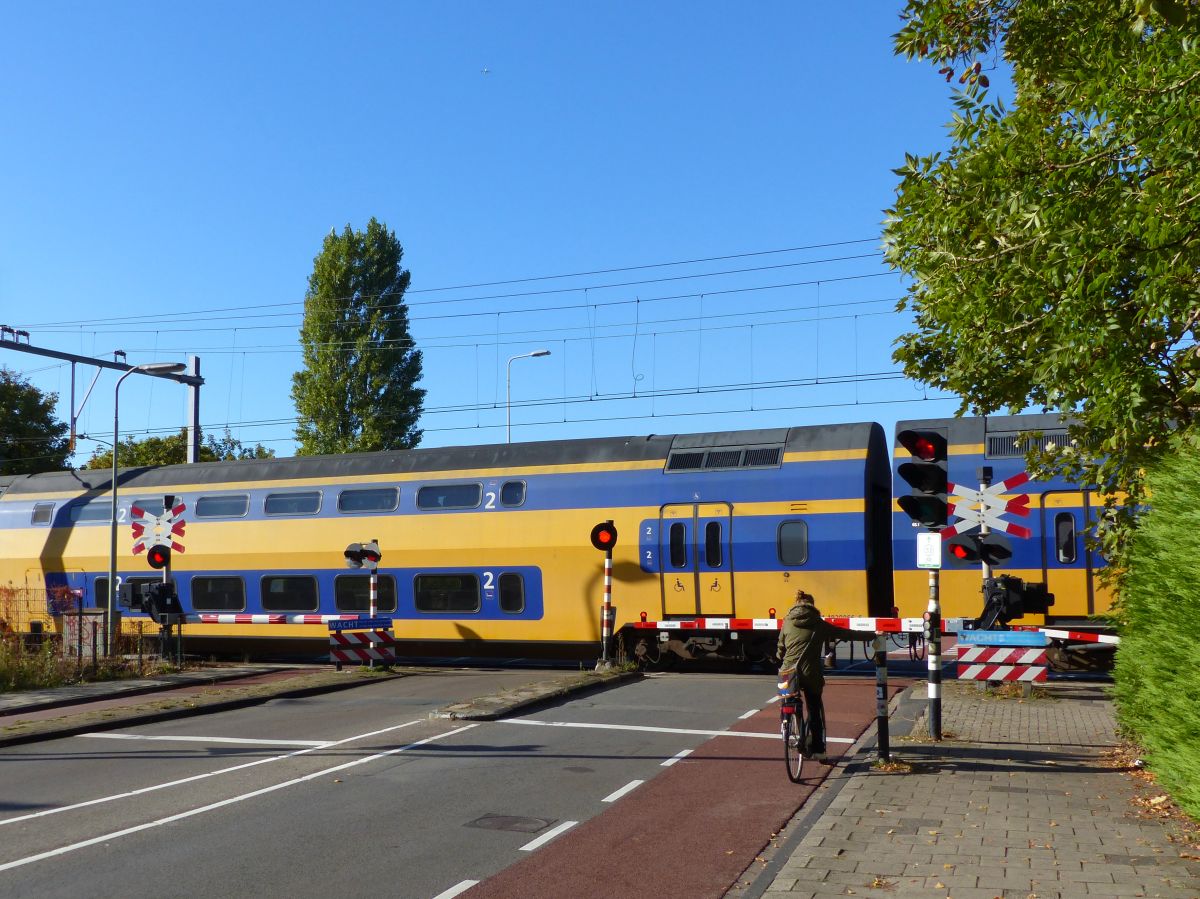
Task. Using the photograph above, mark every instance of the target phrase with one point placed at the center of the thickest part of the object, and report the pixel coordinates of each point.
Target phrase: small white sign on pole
(929, 550)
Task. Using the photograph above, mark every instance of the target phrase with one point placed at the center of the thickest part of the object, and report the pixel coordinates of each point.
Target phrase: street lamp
(508, 395)
(149, 368)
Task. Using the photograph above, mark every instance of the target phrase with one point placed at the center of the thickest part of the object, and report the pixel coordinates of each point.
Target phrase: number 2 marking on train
(491, 500)
(489, 578)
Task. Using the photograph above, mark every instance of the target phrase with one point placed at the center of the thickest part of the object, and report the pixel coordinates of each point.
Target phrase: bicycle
(794, 728)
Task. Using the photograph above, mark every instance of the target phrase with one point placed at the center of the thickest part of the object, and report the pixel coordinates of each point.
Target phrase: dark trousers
(816, 719)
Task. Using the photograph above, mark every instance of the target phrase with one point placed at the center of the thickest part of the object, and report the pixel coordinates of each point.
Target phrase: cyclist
(801, 640)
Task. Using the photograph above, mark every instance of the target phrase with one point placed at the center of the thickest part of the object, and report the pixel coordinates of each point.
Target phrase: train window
(712, 544)
(218, 594)
(450, 496)
(289, 593)
(678, 545)
(100, 511)
(512, 593)
(307, 502)
(446, 593)
(234, 505)
(352, 593)
(1064, 537)
(793, 542)
(369, 499)
(151, 506)
(512, 493)
(43, 513)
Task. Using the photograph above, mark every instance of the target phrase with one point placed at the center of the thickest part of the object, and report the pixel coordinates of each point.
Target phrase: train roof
(811, 438)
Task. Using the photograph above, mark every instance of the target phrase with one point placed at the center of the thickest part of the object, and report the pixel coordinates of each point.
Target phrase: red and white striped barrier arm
(249, 618)
(1079, 636)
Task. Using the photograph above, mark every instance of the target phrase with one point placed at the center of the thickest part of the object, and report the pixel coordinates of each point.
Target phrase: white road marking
(548, 836)
(107, 736)
(749, 714)
(195, 777)
(324, 772)
(456, 889)
(774, 735)
(632, 785)
(774, 698)
(677, 757)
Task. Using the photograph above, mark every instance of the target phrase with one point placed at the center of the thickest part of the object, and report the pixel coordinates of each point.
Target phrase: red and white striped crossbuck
(1009, 663)
(362, 646)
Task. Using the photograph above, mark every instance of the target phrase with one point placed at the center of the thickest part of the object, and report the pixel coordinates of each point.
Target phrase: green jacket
(801, 641)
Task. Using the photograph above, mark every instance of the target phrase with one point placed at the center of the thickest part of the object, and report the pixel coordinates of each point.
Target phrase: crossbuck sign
(987, 506)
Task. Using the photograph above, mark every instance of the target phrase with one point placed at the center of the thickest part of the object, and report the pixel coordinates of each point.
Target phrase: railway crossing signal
(991, 549)
(158, 556)
(926, 474)
(363, 555)
(604, 536)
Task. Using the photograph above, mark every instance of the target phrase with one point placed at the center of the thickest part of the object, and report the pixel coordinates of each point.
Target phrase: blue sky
(169, 171)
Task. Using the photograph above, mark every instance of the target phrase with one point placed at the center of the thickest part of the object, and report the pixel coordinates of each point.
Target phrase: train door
(1068, 566)
(696, 559)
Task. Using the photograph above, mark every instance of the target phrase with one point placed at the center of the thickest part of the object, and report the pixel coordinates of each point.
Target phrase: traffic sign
(158, 530)
(976, 508)
(929, 550)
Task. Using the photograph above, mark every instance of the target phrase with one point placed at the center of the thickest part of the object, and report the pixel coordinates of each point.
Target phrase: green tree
(172, 450)
(1054, 249)
(357, 391)
(31, 439)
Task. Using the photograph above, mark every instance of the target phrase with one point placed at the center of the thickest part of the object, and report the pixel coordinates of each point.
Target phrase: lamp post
(149, 368)
(508, 394)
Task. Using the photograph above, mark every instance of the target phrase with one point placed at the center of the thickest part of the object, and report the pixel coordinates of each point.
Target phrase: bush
(1158, 662)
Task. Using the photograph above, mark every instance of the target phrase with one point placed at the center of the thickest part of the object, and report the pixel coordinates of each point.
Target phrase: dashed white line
(456, 889)
(639, 727)
(548, 836)
(749, 714)
(240, 740)
(677, 757)
(614, 796)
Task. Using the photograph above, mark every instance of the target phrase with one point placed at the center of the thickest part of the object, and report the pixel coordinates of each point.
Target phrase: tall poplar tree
(357, 391)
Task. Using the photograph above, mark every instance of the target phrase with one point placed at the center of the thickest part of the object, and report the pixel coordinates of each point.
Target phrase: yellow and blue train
(486, 548)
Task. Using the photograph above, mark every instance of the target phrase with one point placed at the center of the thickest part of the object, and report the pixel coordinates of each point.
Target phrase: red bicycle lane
(696, 826)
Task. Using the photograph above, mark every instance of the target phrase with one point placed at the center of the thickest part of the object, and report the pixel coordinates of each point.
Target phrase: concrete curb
(149, 717)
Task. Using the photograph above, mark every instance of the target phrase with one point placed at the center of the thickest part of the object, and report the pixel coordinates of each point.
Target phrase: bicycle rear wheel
(795, 734)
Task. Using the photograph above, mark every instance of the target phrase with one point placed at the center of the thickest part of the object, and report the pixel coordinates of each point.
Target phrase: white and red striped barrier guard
(1002, 663)
(358, 647)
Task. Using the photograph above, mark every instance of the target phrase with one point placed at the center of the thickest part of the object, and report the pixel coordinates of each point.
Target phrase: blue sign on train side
(360, 624)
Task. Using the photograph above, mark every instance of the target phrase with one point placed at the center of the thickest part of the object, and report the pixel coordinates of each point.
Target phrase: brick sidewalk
(1016, 802)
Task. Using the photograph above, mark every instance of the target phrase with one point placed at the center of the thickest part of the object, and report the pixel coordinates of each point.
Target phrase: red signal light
(159, 556)
(960, 552)
(604, 536)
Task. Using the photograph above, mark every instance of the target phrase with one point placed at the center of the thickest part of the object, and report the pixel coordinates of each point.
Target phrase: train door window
(512, 593)
(369, 499)
(512, 493)
(446, 593)
(352, 593)
(1064, 537)
(234, 505)
(450, 496)
(712, 544)
(43, 513)
(307, 502)
(289, 593)
(218, 594)
(98, 511)
(793, 543)
(679, 554)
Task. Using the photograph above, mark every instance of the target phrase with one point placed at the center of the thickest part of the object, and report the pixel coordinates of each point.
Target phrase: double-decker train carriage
(486, 549)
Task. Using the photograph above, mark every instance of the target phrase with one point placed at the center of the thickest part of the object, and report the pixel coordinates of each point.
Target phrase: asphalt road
(362, 793)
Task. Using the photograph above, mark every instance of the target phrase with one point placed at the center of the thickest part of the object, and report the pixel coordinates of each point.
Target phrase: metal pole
(606, 613)
(934, 616)
(881, 697)
(374, 602)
